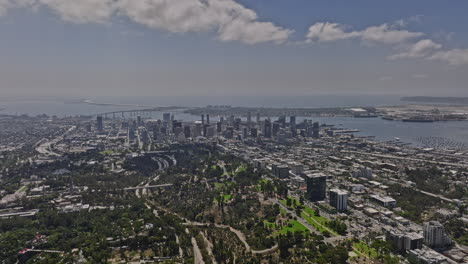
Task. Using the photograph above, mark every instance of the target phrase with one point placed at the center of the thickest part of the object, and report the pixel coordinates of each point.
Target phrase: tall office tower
(339, 199)
(276, 128)
(203, 119)
(208, 119)
(292, 122)
(187, 131)
(282, 121)
(197, 130)
(435, 235)
(258, 119)
(316, 187)
(210, 131)
(156, 132)
(139, 122)
(229, 133)
(205, 130)
(221, 119)
(253, 132)
(176, 124)
(99, 124)
(267, 129)
(237, 123)
(167, 117)
(219, 126)
(245, 132)
(316, 130)
(249, 119)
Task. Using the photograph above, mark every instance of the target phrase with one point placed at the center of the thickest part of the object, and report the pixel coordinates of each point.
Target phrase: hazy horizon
(232, 48)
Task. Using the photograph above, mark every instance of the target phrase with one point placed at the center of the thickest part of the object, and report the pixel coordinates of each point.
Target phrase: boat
(387, 118)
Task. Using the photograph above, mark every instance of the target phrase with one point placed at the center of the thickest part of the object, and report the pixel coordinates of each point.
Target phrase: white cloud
(387, 35)
(419, 49)
(232, 21)
(252, 32)
(229, 19)
(326, 32)
(452, 57)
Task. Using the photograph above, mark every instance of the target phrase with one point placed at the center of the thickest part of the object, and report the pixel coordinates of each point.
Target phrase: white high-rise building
(435, 235)
(339, 199)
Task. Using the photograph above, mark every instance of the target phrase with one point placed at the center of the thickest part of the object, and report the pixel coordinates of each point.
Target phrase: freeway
(45, 146)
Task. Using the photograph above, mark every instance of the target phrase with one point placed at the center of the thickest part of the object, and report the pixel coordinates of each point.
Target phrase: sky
(233, 47)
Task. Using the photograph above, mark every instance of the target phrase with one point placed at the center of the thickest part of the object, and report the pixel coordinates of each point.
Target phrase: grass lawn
(292, 226)
(365, 249)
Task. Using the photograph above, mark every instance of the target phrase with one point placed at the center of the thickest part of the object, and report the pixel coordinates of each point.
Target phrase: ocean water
(453, 134)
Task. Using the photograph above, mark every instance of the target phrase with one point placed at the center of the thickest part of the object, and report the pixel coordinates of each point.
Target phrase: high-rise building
(258, 119)
(197, 130)
(203, 119)
(316, 187)
(276, 128)
(99, 124)
(139, 121)
(402, 241)
(339, 199)
(167, 117)
(237, 124)
(253, 132)
(435, 235)
(245, 132)
(176, 124)
(208, 119)
(219, 127)
(292, 122)
(316, 130)
(282, 121)
(229, 132)
(210, 131)
(267, 128)
(249, 119)
(187, 131)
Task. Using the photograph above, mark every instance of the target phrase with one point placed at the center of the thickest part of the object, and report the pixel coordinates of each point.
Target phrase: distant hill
(431, 99)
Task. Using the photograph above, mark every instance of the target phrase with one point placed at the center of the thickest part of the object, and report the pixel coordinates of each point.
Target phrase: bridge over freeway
(148, 187)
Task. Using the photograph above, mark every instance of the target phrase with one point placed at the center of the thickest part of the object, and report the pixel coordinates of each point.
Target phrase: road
(45, 147)
(407, 159)
(197, 253)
